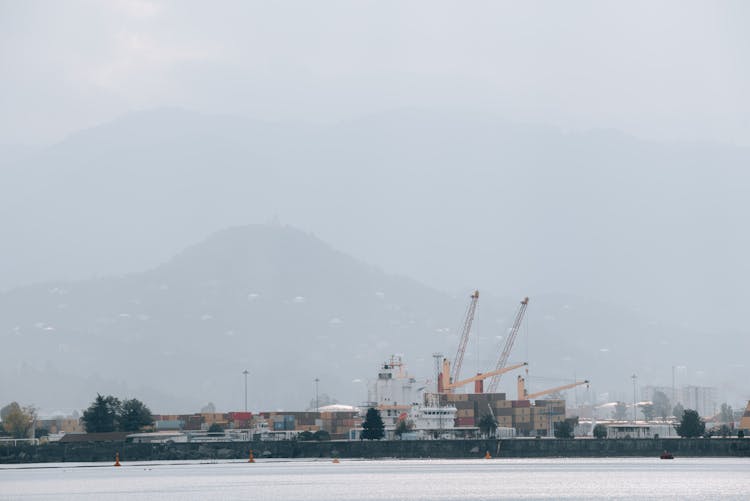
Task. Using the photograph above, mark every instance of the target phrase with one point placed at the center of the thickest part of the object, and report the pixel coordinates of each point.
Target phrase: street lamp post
(245, 372)
(317, 403)
(635, 408)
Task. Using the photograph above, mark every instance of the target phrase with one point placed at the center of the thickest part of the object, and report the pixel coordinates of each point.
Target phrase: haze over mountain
(592, 156)
(451, 199)
(290, 308)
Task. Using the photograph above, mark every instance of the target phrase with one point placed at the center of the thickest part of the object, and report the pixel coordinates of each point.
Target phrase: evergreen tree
(215, 429)
(403, 426)
(305, 436)
(691, 425)
(487, 425)
(102, 414)
(134, 415)
(321, 436)
(373, 427)
(565, 429)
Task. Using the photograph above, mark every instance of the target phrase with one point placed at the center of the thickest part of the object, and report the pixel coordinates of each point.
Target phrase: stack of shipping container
(527, 419)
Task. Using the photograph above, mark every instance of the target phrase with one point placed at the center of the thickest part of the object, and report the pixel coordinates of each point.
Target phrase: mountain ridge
(290, 308)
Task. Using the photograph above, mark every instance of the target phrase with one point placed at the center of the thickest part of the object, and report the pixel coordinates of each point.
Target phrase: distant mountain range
(451, 199)
(289, 308)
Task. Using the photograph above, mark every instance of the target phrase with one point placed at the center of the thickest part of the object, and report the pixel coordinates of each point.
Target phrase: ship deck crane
(495, 381)
(447, 386)
(458, 360)
(524, 395)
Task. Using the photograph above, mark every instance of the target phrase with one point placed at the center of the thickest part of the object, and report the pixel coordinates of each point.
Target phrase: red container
(465, 421)
(521, 403)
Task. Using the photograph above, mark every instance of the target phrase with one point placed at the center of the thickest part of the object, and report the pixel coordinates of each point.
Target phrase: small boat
(666, 455)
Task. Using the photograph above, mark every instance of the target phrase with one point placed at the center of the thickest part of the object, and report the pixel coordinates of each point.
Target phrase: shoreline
(88, 452)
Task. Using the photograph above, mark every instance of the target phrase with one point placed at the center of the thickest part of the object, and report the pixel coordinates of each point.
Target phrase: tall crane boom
(524, 395)
(449, 386)
(495, 381)
(468, 320)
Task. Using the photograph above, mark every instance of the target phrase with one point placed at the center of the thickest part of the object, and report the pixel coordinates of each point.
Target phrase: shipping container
(240, 416)
(465, 421)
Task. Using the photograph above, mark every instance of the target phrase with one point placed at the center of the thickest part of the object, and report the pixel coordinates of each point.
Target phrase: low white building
(157, 437)
(640, 430)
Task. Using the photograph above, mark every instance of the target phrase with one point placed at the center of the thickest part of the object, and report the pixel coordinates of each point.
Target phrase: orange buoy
(251, 459)
(487, 455)
(117, 459)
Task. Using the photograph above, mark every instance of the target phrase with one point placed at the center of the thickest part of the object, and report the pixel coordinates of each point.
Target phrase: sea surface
(323, 480)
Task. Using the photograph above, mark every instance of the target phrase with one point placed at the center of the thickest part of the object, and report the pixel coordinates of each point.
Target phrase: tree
(6, 409)
(620, 412)
(726, 414)
(724, 431)
(18, 421)
(648, 411)
(691, 425)
(661, 403)
(305, 436)
(373, 427)
(565, 428)
(102, 414)
(678, 410)
(741, 434)
(215, 429)
(322, 436)
(487, 425)
(403, 426)
(134, 416)
(600, 431)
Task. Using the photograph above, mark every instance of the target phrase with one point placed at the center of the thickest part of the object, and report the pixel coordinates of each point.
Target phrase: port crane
(524, 395)
(458, 360)
(495, 381)
(445, 385)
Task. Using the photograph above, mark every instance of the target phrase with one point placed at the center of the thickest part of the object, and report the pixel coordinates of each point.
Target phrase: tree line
(107, 414)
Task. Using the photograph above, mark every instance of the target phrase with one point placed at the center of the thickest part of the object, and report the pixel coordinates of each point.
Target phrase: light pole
(317, 402)
(245, 372)
(634, 405)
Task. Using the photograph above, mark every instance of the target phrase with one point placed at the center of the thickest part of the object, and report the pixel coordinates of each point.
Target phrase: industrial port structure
(451, 406)
(443, 409)
(447, 411)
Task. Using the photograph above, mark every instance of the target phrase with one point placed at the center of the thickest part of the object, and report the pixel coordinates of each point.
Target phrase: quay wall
(402, 449)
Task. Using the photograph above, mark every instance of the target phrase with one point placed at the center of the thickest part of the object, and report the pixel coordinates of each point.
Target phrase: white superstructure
(394, 392)
(398, 396)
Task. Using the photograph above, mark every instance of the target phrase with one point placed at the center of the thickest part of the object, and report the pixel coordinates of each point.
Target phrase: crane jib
(495, 381)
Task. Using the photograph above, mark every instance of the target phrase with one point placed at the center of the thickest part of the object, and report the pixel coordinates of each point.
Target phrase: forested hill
(271, 299)
(289, 308)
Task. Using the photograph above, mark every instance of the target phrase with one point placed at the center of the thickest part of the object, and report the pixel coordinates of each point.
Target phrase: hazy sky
(659, 229)
(666, 70)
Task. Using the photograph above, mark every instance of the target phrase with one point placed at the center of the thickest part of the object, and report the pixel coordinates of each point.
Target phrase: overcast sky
(664, 70)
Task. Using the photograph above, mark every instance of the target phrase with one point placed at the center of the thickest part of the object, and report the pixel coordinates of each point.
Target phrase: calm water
(704, 478)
